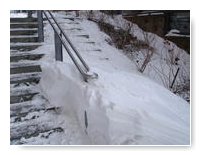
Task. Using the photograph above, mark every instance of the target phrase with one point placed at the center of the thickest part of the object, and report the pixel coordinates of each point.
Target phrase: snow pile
(63, 86)
(122, 108)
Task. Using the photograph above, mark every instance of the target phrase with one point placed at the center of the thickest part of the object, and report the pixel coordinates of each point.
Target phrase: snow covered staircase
(21, 67)
(23, 33)
(28, 107)
(80, 37)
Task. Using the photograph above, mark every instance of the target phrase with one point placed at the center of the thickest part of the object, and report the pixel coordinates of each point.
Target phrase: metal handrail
(68, 40)
(86, 74)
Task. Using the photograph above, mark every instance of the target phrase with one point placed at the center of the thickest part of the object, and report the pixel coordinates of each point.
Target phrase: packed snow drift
(121, 107)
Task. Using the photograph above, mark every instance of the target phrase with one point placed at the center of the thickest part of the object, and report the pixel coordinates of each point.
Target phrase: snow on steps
(23, 25)
(33, 77)
(15, 32)
(37, 122)
(22, 93)
(25, 20)
(24, 67)
(30, 110)
(29, 113)
(25, 39)
(24, 46)
(14, 57)
(28, 106)
(29, 129)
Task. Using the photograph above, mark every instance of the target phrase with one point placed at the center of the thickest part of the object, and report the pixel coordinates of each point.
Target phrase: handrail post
(58, 47)
(59, 42)
(40, 26)
(30, 13)
(171, 86)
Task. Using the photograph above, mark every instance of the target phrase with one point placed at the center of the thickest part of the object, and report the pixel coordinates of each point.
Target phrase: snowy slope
(122, 106)
(167, 57)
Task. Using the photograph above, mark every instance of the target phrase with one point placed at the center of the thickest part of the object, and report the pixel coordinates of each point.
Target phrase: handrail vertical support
(40, 26)
(30, 13)
(59, 42)
(58, 47)
(171, 86)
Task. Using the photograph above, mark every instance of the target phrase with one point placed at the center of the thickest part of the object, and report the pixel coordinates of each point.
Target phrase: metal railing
(61, 39)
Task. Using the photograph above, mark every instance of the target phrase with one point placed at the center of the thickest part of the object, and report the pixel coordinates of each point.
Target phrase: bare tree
(148, 38)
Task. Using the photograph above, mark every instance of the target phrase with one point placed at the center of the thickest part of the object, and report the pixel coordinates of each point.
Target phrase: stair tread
(25, 80)
(24, 47)
(17, 53)
(17, 56)
(23, 23)
(27, 69)
(23, 90)
(13, 20)
(24, 36)
(26, 107)
(25, 44)
(31, 130)
(24, 64)
(23, 29)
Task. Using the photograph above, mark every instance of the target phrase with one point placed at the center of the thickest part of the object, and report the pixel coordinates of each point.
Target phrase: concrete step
(17, 20)
(73, 18)
(30, 78)
(75, 29)
(89, 42)
(24, 39)
(84, 36)
(22, 97)
(23, 25)
(14, 51)
(31, 114)
(29, 106)
(32, 130)
(23, 94)
(24, 64)
(24, 67)
(24, 47)
(73, 23)
(92, 50)
(25, 56)
(21, 117)
(14, 32)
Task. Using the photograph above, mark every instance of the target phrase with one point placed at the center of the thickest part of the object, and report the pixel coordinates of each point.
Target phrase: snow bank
(121, 107)
(63, 86)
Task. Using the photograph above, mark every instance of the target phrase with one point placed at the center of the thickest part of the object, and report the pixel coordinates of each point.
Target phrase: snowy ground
(122, 107)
